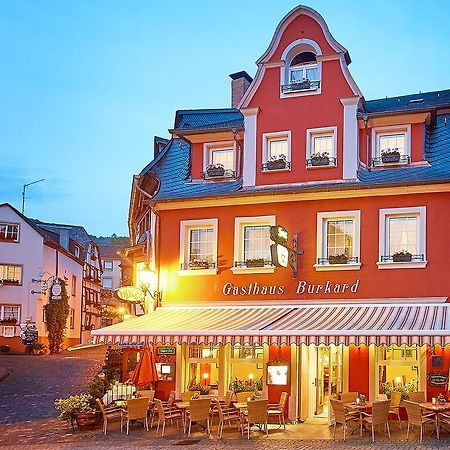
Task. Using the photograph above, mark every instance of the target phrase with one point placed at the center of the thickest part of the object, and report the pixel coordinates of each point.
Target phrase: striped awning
(286, 324)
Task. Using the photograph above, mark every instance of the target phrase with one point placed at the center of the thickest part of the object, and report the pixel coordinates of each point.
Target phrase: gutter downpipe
(365, 118)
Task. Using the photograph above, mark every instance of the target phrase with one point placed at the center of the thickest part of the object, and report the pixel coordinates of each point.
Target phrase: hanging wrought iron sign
(131, 294)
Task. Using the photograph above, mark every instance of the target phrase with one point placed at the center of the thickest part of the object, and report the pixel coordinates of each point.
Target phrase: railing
(211, 176)
(404, 159)
(324, 261)
(301, 86)
(264, 263)
(414, 258)
(311, 162)
(268, 166)
(198, 266)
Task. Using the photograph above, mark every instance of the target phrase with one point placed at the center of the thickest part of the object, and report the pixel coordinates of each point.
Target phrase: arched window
(303, 68)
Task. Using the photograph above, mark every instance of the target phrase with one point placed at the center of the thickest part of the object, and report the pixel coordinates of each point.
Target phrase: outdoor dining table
(361, 408)
(436, 409)
(118, 392)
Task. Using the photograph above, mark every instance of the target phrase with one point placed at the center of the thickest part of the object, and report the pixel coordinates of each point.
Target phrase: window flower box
(215, 170)
(11, 321)
(276, 163)
(402, 256)
(259, 262)
(10, 282)
(320, 159)
(199, 264)
(390, 156)
(338, 259)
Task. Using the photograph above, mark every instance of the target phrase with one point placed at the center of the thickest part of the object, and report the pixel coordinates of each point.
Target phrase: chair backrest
(414, 412)
(396, 398)
(171, 398)
(380, 412)
(215, 402)
(147, 393)
(349, 397)
(199, 408)
(338, 410)
(283, 399)
(160, 409)
(228, 397)
(257, 411)
(101, 408)
(418, 397)
(241, 397)
(137, 408)
(186, 396)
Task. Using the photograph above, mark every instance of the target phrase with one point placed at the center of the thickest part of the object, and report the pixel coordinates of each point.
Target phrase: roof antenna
(24, 190)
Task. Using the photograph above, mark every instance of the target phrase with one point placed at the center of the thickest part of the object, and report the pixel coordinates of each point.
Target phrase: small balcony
(305, 85)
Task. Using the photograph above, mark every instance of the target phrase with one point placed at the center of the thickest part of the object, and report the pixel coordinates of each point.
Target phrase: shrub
(74, 404)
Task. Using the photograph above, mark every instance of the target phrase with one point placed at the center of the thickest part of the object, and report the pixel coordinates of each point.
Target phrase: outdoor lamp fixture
(205, 377)
(250, 376)
(148, 283)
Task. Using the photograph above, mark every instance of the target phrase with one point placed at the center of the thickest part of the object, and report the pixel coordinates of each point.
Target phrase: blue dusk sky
(86, 84)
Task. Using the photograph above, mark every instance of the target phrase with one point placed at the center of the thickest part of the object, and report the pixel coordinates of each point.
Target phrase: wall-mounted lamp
(148, 283)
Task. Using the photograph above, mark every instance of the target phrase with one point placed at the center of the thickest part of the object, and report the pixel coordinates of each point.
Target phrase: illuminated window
(10, 274)
(219, 160)
(8, 312)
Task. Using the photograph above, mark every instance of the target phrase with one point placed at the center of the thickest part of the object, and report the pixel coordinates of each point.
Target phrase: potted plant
(79, 408)
(362, 398)
(257, 262)
(304, 84)
(391, 155)
(320, 159)
(215, 170)
(403, 256)
(11, 282)
(39, 348)
(8, 321)
(204, 390)
(276, 162)
(441, 399)
(199, 263)
(340, 258)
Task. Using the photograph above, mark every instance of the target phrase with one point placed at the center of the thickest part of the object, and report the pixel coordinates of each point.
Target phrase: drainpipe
(365, 117)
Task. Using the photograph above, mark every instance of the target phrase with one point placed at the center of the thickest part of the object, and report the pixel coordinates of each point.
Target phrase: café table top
(182, 405)
(435, 407)
(360, 405)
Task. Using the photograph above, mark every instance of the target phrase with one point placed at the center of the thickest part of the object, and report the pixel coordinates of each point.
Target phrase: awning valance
(286, 324)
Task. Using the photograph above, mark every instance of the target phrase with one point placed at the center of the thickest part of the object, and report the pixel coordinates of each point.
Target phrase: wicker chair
(349, 397)
(256, 413)
(137, 408)
(165, 414)
(147, 393)
(113, 412)
(443, 419)
(277, 409)
(379, 416)
(416, 417)
(186, 396)
(396, 398)
(241, 397)
(170, 401)
(341, 416)
(198, 410)
(418, 397)
(226, 415)
(227, 401)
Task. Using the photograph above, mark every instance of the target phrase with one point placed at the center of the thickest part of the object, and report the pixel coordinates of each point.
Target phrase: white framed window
(217, 156)
(11, 274)
(108, 265)
(391, 145)
(321, 147)
(338, 240)
(402, 238)
(276, 151)
(10, 312)
(198, 247)
(9, 331)
(76, 251)
(9, 232)
(252, 244)
(107, 283)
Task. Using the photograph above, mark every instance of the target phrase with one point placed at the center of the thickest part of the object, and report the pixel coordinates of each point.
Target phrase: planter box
(11, 282)
(87, 419)
(391, 158)
(325, 161)
(254, 263)
(276, 165)
(218, 172)
(337, 259)
(199, 265)
(402, 257)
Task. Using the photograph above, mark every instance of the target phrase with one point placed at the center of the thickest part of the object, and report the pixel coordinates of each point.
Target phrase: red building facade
(362, 188)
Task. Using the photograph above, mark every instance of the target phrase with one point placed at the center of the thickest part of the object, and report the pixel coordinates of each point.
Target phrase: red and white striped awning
(365, 323)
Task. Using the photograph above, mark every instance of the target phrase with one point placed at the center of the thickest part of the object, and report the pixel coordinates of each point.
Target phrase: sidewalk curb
(3, 373)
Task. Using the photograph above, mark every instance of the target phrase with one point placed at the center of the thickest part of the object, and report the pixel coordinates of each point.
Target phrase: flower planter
(11, 282)
(215, 172)
(302, 85)
(276, 165)
(195, 265)
(393, 157)
(323, 161)
(254, 262)
(87, 419)
(402, 257)
(337, 259)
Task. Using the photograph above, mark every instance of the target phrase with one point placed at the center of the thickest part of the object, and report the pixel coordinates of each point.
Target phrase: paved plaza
(28, 417)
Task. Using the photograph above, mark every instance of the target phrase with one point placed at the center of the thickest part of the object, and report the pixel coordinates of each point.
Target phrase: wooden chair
(277, 409)
(396, 398)
(113, 412)
(186, 396)
(241, 397)
(379, 416)
(165, 414)
(198, 410)
(342, 417)
(170, 401)
(418, 397)
(147, 393)
(137, 408)
(256, 413)
(416, 417)
(227, 401)
(226, 415)
(349, 397)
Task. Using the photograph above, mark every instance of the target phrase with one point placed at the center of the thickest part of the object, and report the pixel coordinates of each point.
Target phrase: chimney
(64, 238)
(240, 81)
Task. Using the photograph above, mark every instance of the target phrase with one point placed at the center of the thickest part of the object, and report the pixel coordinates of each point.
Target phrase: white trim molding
(323, 131)
(278, 135)
(322, 219)
(249, 162)
(185, 227)
(418, 211)
(238, 254)
(350, 138)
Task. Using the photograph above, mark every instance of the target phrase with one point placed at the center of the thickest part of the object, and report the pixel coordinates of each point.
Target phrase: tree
(56, 314)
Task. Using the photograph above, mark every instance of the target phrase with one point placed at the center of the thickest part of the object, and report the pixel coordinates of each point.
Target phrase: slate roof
(208, 119)
(413, 102)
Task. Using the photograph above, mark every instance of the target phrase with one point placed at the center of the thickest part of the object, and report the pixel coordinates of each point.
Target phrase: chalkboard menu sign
(437, 378)
(29, 333)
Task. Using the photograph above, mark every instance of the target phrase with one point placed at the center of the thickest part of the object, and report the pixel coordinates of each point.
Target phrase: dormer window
(391, 145)
(303, 73)
(219, 160)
